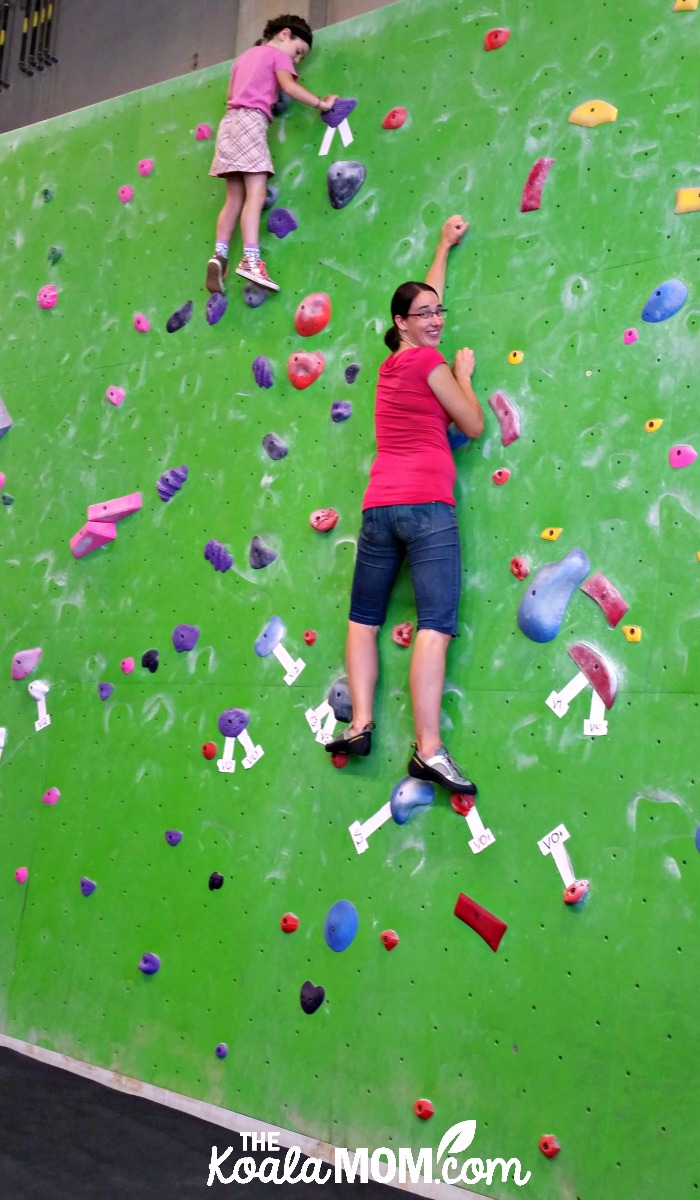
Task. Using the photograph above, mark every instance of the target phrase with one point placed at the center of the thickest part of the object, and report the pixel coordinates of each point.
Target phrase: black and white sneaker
(441, 769)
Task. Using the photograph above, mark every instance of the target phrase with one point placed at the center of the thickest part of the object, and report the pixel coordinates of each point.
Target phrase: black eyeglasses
(426, 313)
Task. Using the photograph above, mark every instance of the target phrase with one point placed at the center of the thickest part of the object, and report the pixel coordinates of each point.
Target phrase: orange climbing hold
(551, 534)
(313, 314)
(592, 113)
(685, 6)
(687, 200)
(515, 358)
(653, 424)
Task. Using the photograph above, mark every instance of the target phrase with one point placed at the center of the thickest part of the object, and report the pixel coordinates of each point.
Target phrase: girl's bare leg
(363, 668)
(427, 683)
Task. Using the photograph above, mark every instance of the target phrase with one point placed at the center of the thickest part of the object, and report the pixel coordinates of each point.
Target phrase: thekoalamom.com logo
(382, 1165)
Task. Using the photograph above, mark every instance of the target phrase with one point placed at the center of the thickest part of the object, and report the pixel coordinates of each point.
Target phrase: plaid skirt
(241, 144)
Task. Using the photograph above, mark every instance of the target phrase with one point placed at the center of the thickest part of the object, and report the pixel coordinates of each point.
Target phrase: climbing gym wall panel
(572, 693)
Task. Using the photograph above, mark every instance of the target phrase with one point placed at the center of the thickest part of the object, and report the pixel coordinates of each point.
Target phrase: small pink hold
(21, 874)
(145, 167)
(125, 193)
(203, 133)
(25, 661)
(141, 323)
(115, 395)
(630, 336)
(51, 796)
(682, 456)
(323, 519)
(47, 296)
(127, 665)
(2, 479)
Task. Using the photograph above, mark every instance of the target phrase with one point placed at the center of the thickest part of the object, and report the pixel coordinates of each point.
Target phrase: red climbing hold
(312, 315)
(576, 891)
(507, 416)
(495, 38)
(462, 804)
(323, 519)
(483, 922)
(339, 760)
(395, 118)
(303, 368)
(209, 750)
(549, 1145)
(602, 590)
(309, 636)
(390, 939)
(423, 1109)
(532, 192)
(598, 671)
(289, 923)
(402, 634)
(519, 568)
(501, 476)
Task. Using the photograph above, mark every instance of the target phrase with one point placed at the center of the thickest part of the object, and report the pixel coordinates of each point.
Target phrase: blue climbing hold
(351, 372)
(455, 437)
(665, 300)
(408, 796)
(541, 610)
(271, 194)
(270, 637)
(87, 886)
(341, 925)
(697, 837)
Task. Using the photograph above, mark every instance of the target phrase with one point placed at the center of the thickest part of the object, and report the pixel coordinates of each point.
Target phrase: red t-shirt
(414, 463)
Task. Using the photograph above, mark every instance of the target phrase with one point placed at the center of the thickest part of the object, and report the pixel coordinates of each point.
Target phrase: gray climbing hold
(260, 555)
(339, 699)
(275, 447)
(6, 421)
(344, 181)
(54, 255)
(254, 295)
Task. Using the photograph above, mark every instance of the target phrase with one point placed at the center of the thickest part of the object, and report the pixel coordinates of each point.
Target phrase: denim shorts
(428, 537)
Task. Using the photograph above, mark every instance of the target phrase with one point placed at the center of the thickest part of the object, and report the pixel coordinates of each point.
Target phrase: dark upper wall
(108, 47)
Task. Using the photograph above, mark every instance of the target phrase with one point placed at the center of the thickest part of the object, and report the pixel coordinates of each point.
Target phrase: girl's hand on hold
(326, 103)
(464, 365)
(454, 230)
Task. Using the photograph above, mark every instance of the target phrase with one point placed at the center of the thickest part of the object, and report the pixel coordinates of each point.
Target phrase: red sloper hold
(507, 416)
(495, 38)
(483, 922)
(532, 192)
(303, 369)
(598, 671)
(395, 118)
(313, 314)
(606, 594)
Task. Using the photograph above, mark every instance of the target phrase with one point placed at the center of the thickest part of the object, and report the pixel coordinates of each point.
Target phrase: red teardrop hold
(313, 314)
(303, 368)
(495, 38)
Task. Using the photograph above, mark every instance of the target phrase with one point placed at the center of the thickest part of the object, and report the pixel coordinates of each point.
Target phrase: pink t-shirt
(414, 463)
(253, 80)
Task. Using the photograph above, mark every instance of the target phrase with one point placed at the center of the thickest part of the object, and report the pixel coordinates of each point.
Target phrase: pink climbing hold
(507, 416)
(24, 662)
(630, 335)
(92, 535)
(51, 796)
(495, 38)
(115, 510)
(203, 132)
(519, 567)
(313, 314)
(323, 519)
(47, 296)
(2, 479)
(682, 456)
(501, 476)
(395, 118)
(115, 395)
(125, 193)
(127, 665)
(21, 874)
(303, 369)
(532, 192)
(141, 323)
(145, 166)
(402, 634)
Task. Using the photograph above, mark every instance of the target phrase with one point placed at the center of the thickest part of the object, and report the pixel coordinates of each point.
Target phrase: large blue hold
(408, 796)
(665, 300)
(341, 925)
(542, 608)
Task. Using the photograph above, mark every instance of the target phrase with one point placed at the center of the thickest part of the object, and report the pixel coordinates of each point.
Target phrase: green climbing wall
(584, 1023)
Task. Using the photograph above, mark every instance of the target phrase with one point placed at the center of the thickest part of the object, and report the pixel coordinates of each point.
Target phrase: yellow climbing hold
(632, 632)
(550, 535)
(653, 424)
(685, 6)
(593, 112)
(687, 200)
(515, 357)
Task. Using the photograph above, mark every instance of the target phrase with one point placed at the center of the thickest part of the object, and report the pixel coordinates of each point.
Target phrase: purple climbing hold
(180, 317)
(351, 372)
(260, 555)
(262, 370)
(150, 660)
(340, 410)
(254, 295)
(271, 194)
(281, 104)
(408, 796)
(150, 963)
(218, 556)
(339, 699)
(340, 110)
(87, 886)
(216, 881)
(344, 181)
(233, 721)
(24, 662)
(281, 222)
(173, 837)
(185, 637)
(170, 482)
(275, 447)
(542, 608)
(221, 1050)
(216, 307)
(105, 690)
(311, 996)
